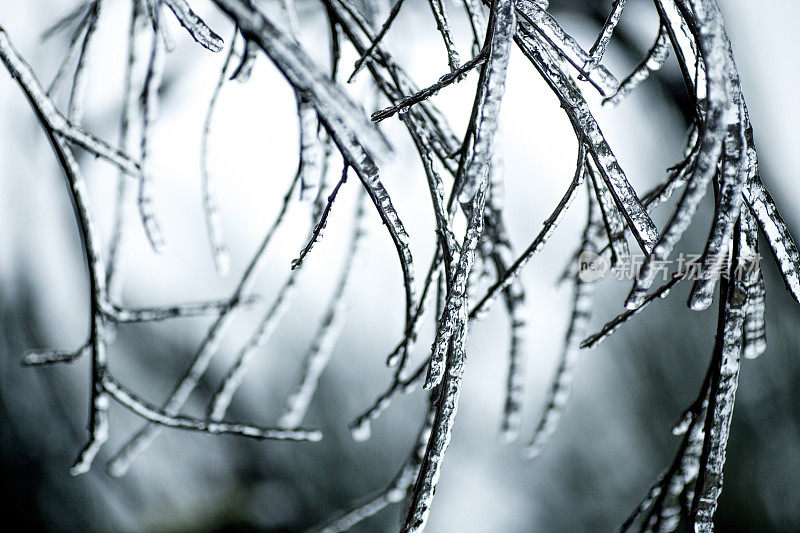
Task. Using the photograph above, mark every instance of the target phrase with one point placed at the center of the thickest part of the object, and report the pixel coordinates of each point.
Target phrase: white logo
(592, 267)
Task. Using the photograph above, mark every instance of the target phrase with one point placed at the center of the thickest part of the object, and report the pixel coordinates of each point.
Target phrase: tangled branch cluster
(464, 181)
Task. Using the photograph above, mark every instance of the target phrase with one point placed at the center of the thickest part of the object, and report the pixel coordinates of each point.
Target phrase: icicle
(311, 151)
(198, 29)
(684, 423)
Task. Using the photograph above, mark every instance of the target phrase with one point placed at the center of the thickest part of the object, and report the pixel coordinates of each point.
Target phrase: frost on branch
(473, 262)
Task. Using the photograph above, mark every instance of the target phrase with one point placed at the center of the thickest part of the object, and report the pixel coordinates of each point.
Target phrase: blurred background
(614, 438)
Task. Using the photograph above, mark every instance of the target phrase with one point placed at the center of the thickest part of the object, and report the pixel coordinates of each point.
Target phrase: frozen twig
(755, 339)
(534, 18)
(198, 29)
(123, 198)
(316, 234)
(722, 394)
(395, 492)
(77, 12)
(653, 61)
(223, 396)
(443, 25)
(149, 107)
(75, 42)
(123, 459)
(485, 117)
(448, 79)
(582, 300)
(450, 389)
(714, 48)
(158, 416)
(609, 328)
(78, 92)
(357, 140)
(613, 221)
(777, 232)
(318, 355)
(366, 56)
(216, 237)
(588, 131)
(538, 243)
(599, 47)
(98, 411)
